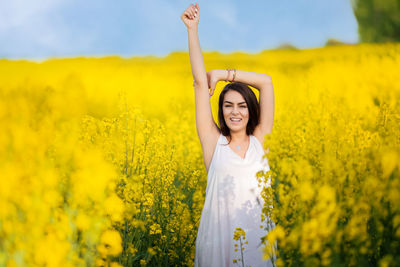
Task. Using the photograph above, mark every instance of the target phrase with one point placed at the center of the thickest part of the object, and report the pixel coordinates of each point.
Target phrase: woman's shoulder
(222, 139)
(259, 144)
(257, 140)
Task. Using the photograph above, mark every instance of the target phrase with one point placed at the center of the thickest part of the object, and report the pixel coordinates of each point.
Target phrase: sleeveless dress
(233, 199)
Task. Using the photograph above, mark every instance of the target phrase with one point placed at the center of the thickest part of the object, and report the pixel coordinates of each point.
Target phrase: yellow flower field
(101, 164)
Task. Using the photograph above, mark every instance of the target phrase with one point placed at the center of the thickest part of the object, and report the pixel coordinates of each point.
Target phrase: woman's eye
(231, 106)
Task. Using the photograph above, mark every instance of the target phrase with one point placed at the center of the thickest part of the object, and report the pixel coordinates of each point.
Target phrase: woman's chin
(235, 127)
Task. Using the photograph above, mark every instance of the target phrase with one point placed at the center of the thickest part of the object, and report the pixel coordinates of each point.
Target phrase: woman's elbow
(200, 83)
(268, 79)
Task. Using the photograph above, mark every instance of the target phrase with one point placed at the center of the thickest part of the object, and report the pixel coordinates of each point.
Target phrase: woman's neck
(239, 137)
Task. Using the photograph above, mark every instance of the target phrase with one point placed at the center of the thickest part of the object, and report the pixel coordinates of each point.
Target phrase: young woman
(233, 154)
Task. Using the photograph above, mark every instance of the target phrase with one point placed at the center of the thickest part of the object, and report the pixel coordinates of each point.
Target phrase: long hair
(252, 105)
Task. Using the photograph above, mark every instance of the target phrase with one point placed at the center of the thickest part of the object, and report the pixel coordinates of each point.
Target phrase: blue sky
(41, 29)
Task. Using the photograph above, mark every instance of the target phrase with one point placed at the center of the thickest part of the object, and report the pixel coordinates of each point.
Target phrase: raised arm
(263, 83)
(207, 130)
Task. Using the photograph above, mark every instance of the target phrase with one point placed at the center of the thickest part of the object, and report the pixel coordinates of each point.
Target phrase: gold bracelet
(234, 75)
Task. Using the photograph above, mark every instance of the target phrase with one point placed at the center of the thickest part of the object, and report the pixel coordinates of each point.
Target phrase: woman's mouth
(236, 120)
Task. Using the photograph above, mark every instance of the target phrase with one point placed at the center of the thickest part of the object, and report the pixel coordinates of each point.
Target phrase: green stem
(241, 251)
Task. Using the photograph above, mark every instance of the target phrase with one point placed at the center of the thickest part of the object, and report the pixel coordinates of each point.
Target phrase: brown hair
(252, 105)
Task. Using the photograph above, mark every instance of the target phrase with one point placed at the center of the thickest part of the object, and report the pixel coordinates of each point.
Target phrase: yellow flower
(82, 222)
(111, 243)
(151, 251)
(155, 228)
(114, 206)
(306, 191)
(389, 161)
(238, 233)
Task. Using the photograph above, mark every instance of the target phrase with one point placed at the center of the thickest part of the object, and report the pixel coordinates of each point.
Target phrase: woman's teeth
(236, 120)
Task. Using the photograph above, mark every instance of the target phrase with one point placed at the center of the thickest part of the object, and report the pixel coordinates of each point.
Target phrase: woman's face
(236, 113)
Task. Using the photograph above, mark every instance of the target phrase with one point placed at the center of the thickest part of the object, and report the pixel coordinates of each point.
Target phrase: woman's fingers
(193, 10)
(189, 15)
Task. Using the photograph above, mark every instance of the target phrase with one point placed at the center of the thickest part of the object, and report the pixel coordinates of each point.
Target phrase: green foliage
(378, 20)
(333, 41)
(286, 46)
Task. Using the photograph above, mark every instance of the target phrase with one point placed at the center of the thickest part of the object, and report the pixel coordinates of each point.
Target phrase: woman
(232, 155)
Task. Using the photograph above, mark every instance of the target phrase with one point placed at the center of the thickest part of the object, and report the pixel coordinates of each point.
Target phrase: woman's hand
(191, 16)
(213, 76)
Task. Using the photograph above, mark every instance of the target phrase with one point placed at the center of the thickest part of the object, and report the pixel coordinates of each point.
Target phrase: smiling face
(235, 110)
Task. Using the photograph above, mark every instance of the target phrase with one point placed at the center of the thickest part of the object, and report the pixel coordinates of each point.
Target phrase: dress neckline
(247, 151)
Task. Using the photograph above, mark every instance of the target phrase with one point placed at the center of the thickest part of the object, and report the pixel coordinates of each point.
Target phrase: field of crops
(101, 164)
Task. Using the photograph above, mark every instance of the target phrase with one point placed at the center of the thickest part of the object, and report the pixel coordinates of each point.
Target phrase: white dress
(232, 200)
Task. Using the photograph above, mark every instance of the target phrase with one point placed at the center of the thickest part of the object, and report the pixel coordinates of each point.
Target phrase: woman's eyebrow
(244, 102)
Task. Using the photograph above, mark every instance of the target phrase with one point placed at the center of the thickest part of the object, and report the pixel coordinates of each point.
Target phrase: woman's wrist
(193, 28)
(223, 75)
